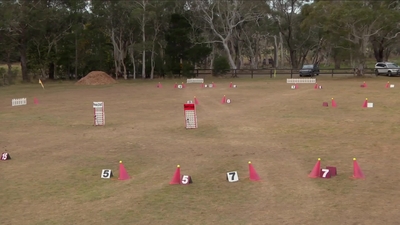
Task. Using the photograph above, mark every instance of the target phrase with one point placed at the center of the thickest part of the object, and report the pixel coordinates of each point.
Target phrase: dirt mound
(96, 78)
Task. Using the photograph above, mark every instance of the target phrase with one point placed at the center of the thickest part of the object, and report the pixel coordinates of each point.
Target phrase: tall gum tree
(222, 19)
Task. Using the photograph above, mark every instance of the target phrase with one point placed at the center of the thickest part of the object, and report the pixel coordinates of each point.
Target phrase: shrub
(187, 70)
(220, 65)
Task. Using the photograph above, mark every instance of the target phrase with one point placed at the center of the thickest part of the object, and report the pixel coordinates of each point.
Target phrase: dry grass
(57, 155)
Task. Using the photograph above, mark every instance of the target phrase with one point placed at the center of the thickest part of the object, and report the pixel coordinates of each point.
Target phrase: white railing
(18, 101)
(195, 81)
(301, 81)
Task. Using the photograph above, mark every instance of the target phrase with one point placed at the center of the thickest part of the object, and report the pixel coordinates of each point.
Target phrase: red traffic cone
(159, 85)
(183, 85)
(230, 85)
(253, 174)
(35, 101)
(357, 173)
(387, 85)
(176, 179)
(213, 85)
(316, 86)
(223, 100)
(175, 85)
(365, 84)
(316, 170)
(333, 103)
(123, 175)
(365, 104)
(196, 102)
(296, 86)
(202, 85)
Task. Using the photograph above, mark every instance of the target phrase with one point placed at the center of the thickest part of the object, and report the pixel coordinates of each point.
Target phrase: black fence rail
(289, 73)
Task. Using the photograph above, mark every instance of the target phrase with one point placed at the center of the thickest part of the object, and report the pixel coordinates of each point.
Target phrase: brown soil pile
(96, 78)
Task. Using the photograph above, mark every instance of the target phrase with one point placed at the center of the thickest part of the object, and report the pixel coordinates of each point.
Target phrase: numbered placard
(5, 156)
(186, 179)
(179, 86)
(228, 101)
(232, 176)
(332, 170)
(106, 174)
(234, 86)
(210, 85)
(293, 87)
(325, 173)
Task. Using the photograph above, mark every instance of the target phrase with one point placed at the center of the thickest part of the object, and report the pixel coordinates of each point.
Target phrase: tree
(222, 18)
(182, 43)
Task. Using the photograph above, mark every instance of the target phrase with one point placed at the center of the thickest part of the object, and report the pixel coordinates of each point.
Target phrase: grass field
(57, 155)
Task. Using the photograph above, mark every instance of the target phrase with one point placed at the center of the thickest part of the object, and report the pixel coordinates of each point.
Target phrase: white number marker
(106, 174)
(232, 176)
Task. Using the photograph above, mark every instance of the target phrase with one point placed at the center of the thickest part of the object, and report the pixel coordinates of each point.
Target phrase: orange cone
(365, 104)
(387, 85)
(333, 103)
(316, 170)
(176, 179)
(316, 86)
(223, 100)
(123, 175)
(357, 173)
(196, 102)
(253, 174)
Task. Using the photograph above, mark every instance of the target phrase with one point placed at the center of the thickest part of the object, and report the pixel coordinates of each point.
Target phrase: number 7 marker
(325, 173)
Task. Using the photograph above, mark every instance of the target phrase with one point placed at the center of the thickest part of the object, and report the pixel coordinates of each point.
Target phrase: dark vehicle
(309, 70)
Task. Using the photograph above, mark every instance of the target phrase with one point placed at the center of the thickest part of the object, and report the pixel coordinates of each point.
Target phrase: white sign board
(99, 116)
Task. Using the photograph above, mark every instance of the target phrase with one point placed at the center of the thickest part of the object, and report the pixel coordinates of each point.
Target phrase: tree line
(147, 38)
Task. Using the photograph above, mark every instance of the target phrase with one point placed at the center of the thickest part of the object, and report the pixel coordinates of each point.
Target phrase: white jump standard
(301, 81)
(18, 101)
(190, 115)
(99, 116)
(195, 81)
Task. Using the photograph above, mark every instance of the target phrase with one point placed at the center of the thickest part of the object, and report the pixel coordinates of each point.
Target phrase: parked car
(309, 70)
(386, 68)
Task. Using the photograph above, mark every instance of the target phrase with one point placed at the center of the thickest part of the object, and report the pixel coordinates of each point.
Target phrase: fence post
(270, 73)
(332, 73)
(291, 73)
(197, 73)
(251, 73)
